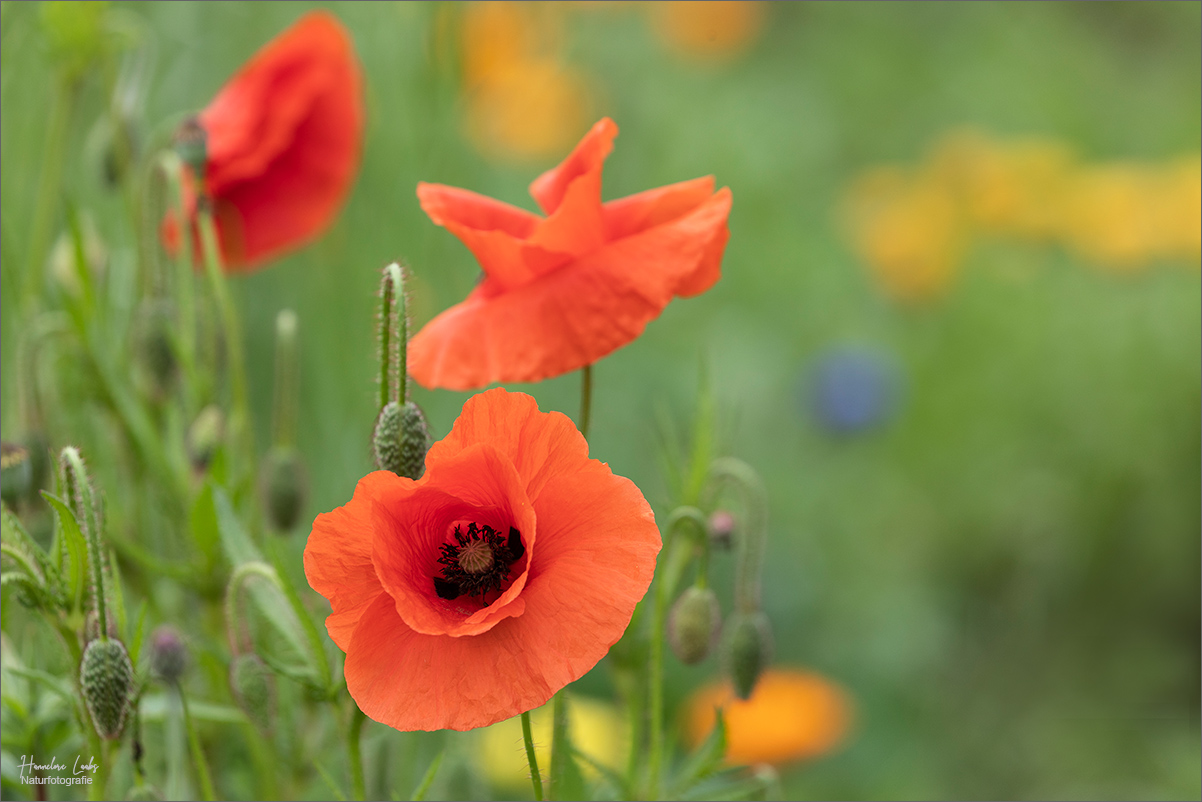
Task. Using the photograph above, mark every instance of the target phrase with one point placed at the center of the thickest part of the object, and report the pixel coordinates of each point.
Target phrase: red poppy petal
(492, 231)
(638, 212)
(535, 442)
(549, 189)
(709, 269)
(412, 681)
(454, 205)
(338, 555)
(479, 485)
(571, 317)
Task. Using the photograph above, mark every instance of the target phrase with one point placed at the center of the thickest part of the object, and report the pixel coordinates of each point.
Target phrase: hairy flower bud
(253, 687)
(722, 528)
(284, 487)
(106, 678)
(168, 654)
(401, 439)
(747, 650)
(156, 319)
(693, 625)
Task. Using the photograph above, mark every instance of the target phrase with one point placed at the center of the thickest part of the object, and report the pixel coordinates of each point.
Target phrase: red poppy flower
(504, 573)
(284, 137)
(562, 291)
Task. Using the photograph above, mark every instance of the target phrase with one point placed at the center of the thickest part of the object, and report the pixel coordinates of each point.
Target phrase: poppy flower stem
(394, 336)
(528, 739)
(586, 398)
(354, 753)
(680, 553)
(754, 497)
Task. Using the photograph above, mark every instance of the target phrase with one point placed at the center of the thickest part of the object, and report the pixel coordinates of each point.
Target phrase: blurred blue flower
(853, 388)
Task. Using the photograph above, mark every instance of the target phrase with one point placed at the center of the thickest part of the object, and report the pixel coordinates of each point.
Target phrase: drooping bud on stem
(191, 143)
(746, 650)
(401, 437)
(285, 487)
(693, 625)
(204, 436)
(253, 687)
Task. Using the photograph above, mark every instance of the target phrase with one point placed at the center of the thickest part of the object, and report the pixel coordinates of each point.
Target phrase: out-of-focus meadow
(957, 333)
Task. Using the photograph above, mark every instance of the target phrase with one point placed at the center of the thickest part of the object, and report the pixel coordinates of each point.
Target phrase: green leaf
(705, 761)
(236, 543)
(67, 528)
(419, 793)
(135, 637)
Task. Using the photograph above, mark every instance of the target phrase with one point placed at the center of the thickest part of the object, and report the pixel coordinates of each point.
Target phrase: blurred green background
(1004, 572)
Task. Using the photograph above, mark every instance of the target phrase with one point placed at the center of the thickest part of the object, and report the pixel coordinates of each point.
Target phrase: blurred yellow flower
(1015, 188)
(596, 729)
(909, 229)
(714, 29)
(791, 715)
(523, 101)
(1109, 217)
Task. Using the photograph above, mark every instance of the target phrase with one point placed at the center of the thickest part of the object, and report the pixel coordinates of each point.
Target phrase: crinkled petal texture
(416, 661)
(284, 138)
(562, 291)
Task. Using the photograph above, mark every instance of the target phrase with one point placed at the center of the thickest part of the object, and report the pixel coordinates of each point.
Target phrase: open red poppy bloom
(504, 573)
(284, 137)
(562, 291)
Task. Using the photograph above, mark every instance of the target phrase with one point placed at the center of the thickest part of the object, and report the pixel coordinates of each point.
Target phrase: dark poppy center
(478, 562)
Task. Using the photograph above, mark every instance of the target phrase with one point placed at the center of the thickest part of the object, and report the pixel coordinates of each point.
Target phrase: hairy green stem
(394, 336)
(225, 304)
(531, 758)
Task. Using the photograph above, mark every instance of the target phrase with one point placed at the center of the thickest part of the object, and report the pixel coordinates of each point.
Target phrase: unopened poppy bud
(722, 528)
(191, 144)
(747, 650)
(284, 487)
(168, 654)
(401, 439)
(106, 679)
(693, 625)
(253, 687)
(204, 436)
(16, 472)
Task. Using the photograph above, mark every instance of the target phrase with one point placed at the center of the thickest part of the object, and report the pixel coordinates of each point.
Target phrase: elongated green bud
(82, 498)
(693, 625)
(285, 487)
(106, 679)
(253, 687)
(205, 436)
(747, 650)
(401, 439)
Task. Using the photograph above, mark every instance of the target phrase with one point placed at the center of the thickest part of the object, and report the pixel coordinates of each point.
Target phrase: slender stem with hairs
(531, 758)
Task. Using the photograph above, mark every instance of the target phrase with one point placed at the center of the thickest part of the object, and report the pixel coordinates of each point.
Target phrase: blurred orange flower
(283, 141)
(562, 291)
(791, 715)
(478, 591)
(523, 100)
(709, 28)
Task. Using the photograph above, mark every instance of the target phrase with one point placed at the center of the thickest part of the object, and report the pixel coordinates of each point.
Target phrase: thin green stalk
(561, 746)
(53, 156)
(535, 777)
(355, 753)
(586, 399)
(229, 318)
(198, 756)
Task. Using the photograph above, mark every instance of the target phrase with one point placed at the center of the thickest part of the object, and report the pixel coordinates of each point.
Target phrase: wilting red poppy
(284, 137)
(504, 573)
(562, 291)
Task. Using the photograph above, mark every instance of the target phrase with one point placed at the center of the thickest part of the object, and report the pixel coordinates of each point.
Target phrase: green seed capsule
(106, 679)
(253, 686)
(747, 650)
(693, 625)
(284, 487)
(401, 439)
